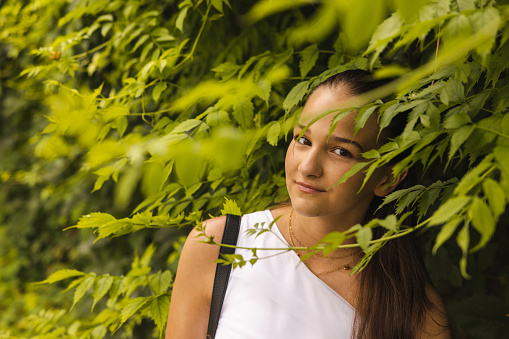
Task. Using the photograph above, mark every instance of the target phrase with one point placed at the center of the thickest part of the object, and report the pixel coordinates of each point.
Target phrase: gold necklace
(344, 267)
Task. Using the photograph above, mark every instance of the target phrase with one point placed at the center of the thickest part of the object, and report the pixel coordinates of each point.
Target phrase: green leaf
(158, 89)
(362, 116)
(473, 177)
(243, 113)
(459, 136)
(488, 21)
(179, 23)
(140, 42)
(217, 118)
(445, 233)
(463, 241)
(434, 9)
(334, 239)
(296, 95)
(482, 220)
(273, 133)
(309, 55)
(230, 207)
(186, 126)
(364, 236)
(93, 220)
(449, 209)
(160, 307)
(226, 70)
(384, 34)
(362, 18)
(456, 120)
(132, 307)
(84, 286)
(496, 196)
(101, 287)
(409, 9)
(390, 223)
(61, 275)
(352, 171)
(160, 282)
(429, 197)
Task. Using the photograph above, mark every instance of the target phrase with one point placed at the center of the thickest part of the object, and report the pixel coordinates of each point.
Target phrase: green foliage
(172, 112)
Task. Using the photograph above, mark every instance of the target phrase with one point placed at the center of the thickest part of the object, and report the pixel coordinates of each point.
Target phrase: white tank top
(279, 297)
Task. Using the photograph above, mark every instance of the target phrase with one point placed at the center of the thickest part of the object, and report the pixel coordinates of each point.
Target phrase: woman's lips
(307, 188)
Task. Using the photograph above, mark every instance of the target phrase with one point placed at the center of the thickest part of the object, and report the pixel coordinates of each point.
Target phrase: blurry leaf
(101, 287)
(113, 112)
(463, 240)
(496, 196)
(186, 126)
(266, 8)
(273, 133)
(409, 10)
(180, 19)
(158, 89)
(360, 21)
(482, 220)
(243, 113)
(364, 236)
(61, 275)
(296, 95)
(217, 118)
(488, 21)
(449, 209)
(390, 223)
(434, 9)
(309, 55)
(226, 70)
(446, 232)
(84, 286)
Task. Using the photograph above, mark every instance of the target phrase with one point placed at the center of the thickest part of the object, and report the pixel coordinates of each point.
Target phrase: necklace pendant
(346, 267)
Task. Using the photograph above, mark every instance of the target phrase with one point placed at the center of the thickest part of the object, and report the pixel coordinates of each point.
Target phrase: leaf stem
(492, 131)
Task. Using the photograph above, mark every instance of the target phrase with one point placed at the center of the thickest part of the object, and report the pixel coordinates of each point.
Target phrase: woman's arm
(190, 299)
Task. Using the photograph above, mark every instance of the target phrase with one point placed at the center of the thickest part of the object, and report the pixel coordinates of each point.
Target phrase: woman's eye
(343, 152)
(302, 140)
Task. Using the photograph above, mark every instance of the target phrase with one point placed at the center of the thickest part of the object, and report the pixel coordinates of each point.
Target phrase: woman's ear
(389, 183)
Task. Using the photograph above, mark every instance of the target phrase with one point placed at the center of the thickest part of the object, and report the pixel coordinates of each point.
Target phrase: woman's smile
(308, 188)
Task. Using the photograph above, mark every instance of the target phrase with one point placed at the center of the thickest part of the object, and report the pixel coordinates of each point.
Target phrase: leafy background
(129, 122)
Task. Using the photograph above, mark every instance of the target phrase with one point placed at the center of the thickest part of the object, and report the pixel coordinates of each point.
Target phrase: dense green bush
(136, 120)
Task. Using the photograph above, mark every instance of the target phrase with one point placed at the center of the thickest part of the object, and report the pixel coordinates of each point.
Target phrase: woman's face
(314, 164)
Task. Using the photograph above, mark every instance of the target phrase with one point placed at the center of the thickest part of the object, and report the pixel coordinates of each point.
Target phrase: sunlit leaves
(193, 109)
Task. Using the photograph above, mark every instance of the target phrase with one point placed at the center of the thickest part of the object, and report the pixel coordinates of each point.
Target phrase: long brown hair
(392, 300)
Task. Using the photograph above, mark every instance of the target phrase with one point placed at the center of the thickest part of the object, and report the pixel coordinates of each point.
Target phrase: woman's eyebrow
(339, 139)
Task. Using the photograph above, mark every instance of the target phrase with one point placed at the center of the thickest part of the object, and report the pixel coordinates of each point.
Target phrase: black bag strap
(230, 235)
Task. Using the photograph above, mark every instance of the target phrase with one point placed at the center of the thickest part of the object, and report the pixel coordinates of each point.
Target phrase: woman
(281, 298)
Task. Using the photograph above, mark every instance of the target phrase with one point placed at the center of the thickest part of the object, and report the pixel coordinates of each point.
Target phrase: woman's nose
(310, 164)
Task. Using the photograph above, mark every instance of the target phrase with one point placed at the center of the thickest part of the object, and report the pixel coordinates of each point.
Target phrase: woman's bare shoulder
(436, 324)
